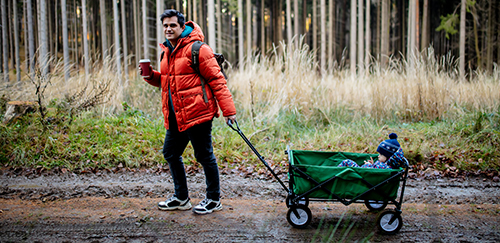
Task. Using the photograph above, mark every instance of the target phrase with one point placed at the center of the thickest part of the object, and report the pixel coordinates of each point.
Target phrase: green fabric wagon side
(349, 181)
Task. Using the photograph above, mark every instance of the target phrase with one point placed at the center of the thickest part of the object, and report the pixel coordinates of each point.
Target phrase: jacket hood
(192, 32)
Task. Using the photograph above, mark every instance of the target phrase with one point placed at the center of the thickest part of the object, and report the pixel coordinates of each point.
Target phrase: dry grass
(291, 83)
(428, 91)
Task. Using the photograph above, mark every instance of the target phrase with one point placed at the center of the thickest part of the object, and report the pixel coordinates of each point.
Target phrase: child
(390, 156)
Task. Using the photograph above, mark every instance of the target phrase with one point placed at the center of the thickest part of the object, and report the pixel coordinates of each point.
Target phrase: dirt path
(121, 207)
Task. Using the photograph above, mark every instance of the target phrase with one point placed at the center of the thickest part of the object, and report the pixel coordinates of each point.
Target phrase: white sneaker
(207, 206)
(174, 203)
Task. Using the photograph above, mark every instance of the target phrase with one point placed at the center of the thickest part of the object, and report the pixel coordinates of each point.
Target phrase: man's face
(172, 29)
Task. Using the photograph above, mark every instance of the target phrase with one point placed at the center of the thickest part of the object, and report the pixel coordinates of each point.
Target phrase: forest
(319, 75)
(342, 33)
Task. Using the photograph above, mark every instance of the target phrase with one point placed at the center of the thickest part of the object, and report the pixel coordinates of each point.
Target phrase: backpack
(195, 57)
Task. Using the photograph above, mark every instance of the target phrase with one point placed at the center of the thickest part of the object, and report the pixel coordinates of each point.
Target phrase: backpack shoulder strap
(195, 57)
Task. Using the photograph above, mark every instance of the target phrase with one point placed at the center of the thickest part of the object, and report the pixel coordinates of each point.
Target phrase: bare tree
(249, 30)
(240, 33)
(31, 38)
(315, 25)
(384, 35)
(43, 38)
(425, 26)
(367, 34)
(462, 39)
(5, 41)
(323, 35)
(159, 31)
(331, 35)
(262, 28)
(84, 39)
(352, 52)
(289, 23)
(211, 25)
(361, 46)
(16, 41)
(137, 30)
(124, 38)
(219, 26)
(117, 42)
(296, 18)
(145, 29)
(489, 41)
(104, 31)
(65, 39)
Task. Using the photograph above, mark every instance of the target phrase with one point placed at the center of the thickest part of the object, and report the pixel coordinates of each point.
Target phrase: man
(188, 116)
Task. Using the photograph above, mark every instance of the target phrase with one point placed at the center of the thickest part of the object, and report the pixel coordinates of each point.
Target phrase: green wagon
(315, 176)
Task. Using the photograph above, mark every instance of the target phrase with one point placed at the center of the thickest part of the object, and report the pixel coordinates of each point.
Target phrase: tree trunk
(384, 35)
(65, 39)
(352, 47)
(125, 43)
(195, 11)
(378, 31)
(211, 25)
(262, 28)
(56, 39)
(43, 38)
(137, 39)
(323, 36)
(315, 25)
(84, 38)
(462, 39)
(425, 27)
(331, 34)
(361, 37)
(476, 36)
(219, 26)
(489, 41)
(145, 29)
(117, 53)
(16, 42)
(304, 20)
(159, 31)
(368, 34)
(296, 18)
(240, 34)
(289, 23)
(249, 30)
(104, 32)
(26, 45)
(5, 42)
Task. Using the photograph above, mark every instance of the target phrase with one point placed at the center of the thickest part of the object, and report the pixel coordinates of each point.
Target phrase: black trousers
(200, 137)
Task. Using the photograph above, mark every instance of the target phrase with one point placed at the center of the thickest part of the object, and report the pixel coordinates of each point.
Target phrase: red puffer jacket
(176, 72)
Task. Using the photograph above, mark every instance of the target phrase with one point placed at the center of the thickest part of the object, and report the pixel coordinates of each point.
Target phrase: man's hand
(230, 118)
(148, 77)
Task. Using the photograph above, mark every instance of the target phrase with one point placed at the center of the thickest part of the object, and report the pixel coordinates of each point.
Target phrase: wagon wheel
(389, 222)
(375, 206)
(299, 216)
(303, 201)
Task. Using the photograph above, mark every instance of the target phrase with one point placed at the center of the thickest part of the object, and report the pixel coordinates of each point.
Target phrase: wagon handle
(238, 130)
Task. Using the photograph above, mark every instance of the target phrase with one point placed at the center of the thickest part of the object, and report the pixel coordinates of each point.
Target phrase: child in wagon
(390, 156)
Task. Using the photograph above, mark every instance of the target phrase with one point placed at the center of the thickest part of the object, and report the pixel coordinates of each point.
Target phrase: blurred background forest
(342, 33)
(319, 75)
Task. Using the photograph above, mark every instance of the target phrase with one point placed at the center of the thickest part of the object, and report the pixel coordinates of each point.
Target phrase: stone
(16, 109)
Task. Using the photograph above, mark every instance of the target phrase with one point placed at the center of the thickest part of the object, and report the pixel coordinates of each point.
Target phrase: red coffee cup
(145, 65)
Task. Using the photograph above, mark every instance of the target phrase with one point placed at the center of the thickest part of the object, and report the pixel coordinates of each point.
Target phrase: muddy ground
(121, 207)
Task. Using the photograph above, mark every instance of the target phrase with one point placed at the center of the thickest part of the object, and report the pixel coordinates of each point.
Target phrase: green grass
(134, 139)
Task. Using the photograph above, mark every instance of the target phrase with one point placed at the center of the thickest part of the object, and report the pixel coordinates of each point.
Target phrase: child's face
(382, 158)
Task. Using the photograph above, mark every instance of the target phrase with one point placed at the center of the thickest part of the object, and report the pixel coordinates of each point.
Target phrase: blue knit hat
(388, 147)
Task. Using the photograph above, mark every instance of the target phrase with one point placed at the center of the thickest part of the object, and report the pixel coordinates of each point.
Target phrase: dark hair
(171, 13)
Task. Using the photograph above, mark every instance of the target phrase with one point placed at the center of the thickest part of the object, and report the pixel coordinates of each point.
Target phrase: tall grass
(427, 91)
(282, 99)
